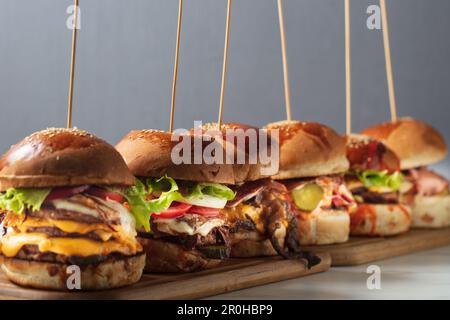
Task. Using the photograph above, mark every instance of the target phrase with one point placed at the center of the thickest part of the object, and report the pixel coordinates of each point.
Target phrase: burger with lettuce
(64, 195)
(419, 145)
(197, 214)
(181, 224)
(375, 181)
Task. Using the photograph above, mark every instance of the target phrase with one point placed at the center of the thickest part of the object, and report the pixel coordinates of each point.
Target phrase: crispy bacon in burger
(418, 145)
(62, 202)
(374, 179)
(261, 218)
(312, 161)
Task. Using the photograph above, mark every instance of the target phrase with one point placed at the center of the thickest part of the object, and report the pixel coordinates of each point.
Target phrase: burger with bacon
(418, 145)
(312, 163)
(197, 214)
(62, 200)
(261, 216)
(375, 181)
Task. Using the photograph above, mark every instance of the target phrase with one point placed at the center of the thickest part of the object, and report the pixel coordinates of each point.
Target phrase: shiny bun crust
(62, 157)
(415, 142)
(53, 276)
(148, 154)
(309, 149)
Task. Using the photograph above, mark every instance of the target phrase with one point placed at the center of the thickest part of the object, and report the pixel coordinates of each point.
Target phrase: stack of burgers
(69, 198)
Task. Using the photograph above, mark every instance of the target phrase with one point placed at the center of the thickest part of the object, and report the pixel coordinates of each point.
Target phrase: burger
(418, 145)
(202, 212)
(375, 181)
(182, 227)
(261, 217)
(312, 164)
(62, 205)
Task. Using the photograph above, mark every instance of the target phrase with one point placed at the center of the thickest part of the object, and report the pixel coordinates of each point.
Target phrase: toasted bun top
(62, 157)
(367, 153)
(148, 153)
(308, 149)
(415, 142)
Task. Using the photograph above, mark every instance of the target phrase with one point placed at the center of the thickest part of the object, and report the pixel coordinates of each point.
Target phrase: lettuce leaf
(136, 198)
(211, 189)
(373, 178)
(20, 199)
(168, 189)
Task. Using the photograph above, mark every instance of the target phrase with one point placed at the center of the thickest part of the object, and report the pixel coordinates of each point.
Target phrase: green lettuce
(373, 178)
(20, 199)
(211, 189)
(136, 198)
(169, 192)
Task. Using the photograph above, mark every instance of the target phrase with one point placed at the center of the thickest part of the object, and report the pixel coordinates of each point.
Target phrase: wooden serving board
(360, 250)
(233, 275)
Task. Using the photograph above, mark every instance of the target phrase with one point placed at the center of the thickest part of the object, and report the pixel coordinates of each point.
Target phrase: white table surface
(423, 275)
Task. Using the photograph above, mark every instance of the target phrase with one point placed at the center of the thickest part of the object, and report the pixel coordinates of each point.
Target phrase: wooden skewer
(72, 66)
(175, 68)
(225, 61)
(387, 53)
(287, 91)
(348, 69)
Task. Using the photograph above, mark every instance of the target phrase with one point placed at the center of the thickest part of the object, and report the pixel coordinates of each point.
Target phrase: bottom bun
(431, 212)
(323, 227)
(380, 220)
(165, 257)
(247, 248)
(109, 274)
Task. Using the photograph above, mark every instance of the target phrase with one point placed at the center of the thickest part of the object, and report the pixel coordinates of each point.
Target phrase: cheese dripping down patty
(115, 238)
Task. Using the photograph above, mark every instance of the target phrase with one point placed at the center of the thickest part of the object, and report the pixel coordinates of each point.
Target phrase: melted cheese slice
(63, 225)
(243, 212)
(11, 244)
(174, 227)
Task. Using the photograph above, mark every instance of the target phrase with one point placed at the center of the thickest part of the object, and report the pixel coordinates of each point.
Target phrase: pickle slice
(308, 197)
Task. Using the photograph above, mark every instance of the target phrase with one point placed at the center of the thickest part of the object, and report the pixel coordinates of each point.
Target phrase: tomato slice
(205, 211)
(175, 210)
(105, 194)
(65, 192)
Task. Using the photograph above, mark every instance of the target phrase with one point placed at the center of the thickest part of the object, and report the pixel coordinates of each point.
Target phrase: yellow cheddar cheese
(12, 242)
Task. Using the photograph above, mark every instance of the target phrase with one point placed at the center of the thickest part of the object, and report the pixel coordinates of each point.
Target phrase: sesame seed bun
(62, 157)
(148, 153)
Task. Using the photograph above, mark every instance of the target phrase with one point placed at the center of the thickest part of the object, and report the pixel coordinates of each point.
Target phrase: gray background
(125, 61)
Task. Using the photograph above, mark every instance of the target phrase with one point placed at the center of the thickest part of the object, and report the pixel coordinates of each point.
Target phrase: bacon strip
(428, 182)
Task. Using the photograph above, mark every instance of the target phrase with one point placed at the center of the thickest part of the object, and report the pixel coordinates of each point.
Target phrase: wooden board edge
(376, 251)
(261, 274)
(206, 285)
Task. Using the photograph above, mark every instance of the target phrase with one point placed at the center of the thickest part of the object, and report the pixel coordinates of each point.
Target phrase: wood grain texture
(360, 250)
(233, 275)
